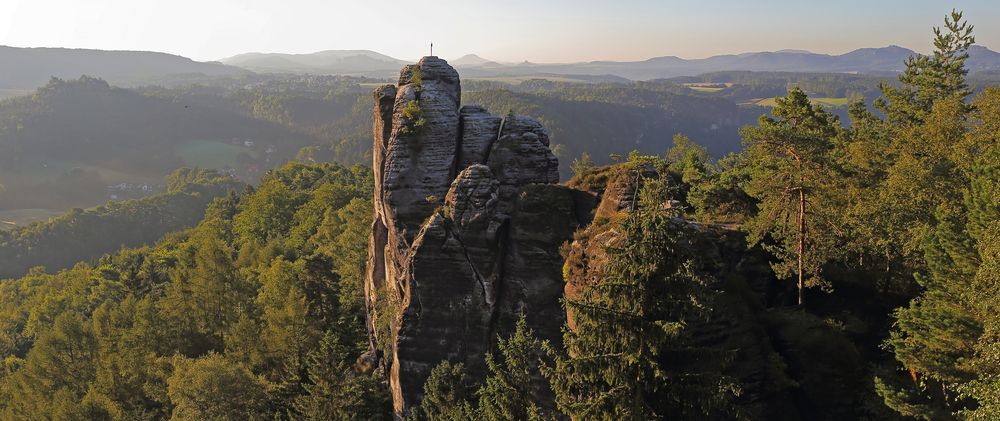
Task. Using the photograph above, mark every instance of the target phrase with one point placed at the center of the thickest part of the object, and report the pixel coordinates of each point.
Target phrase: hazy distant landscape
(251, 112)
(31, 67)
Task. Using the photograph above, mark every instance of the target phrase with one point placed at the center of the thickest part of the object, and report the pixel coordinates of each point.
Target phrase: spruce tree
(335, 391)
(447, 395)
(515, 387)
(627, 358)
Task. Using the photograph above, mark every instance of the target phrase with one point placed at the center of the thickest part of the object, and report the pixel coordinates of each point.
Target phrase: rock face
(466, 232)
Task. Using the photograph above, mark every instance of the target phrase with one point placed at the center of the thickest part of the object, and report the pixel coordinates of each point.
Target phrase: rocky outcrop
(736, 322)
(466, 232)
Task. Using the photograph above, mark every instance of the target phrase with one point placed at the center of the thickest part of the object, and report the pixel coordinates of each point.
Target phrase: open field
(517, 80)
(211, 154)
(10, 219)
(34, 170)
(826, 102)
(707, 86)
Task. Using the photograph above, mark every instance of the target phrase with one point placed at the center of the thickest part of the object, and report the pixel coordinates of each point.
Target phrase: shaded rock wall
(466, 232)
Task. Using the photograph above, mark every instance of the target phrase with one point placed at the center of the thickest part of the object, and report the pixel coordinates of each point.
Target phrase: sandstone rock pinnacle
(466, 233)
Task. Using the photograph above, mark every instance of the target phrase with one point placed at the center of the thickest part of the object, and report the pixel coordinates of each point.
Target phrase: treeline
(254, 314)
(603, 119)
(746, 85)
(598, 118)
(85, 235)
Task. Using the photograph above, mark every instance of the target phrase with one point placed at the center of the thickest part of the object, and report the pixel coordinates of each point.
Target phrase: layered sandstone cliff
(467, 228)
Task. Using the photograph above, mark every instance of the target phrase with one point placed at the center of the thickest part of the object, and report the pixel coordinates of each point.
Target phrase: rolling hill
(29, 68)
(347, 62)
(68, 142)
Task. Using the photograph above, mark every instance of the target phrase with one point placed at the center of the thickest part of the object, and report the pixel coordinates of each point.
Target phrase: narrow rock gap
(472, 265)
(489, 149)
(457, 160)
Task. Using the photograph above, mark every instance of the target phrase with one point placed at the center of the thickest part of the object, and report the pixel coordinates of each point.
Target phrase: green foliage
(942, 189)
(627, 355)
(69, 347)
(721, 197)
(236, 318)
(690, 160)
(825, 366)
(928, 79)
(257, 312)
(62, 146)
(513, 389)
(336, 391)
(447, 395)
(211, 387)
(582, 165)
(415, 122)
(605, 118)
(791, 175)
(86, 235)
(417, 77)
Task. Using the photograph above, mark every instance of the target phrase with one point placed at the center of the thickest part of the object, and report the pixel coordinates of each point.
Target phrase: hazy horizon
(558, 31)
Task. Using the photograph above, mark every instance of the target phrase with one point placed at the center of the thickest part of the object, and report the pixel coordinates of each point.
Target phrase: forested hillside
(255, 313)
(85, 235)
(601, 119)
(64, 145)
(29, 68)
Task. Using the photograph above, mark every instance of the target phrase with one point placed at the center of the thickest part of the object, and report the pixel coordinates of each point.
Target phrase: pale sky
(504, 30)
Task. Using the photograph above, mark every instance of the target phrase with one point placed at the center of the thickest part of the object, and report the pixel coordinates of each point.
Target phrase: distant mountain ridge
(29, 68)
(25, 69)
(888, 59)
(362, 62)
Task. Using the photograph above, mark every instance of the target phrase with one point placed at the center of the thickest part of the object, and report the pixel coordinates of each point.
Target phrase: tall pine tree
(791, 174)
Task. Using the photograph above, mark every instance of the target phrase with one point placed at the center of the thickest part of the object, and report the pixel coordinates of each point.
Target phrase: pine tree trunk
(802, 242)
